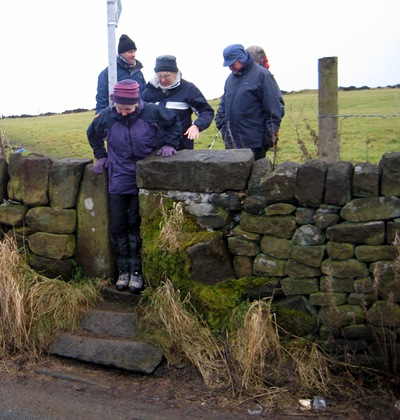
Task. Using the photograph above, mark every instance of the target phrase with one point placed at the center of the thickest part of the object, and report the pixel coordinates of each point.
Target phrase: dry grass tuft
(171, 227)
(34, 309)
(2, 144)
(55, 305)
(253, 343)
(303, 137)
(311, 367)
(190, 339)
(396, 263)
(250, 362)
(14, 321)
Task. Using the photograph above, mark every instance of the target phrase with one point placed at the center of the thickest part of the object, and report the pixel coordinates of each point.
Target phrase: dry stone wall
(322, 233)
(58, 212)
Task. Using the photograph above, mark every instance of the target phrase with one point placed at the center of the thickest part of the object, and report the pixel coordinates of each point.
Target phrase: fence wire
(358, 115)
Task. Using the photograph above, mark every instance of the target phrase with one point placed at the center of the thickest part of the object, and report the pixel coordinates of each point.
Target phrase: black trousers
(259, 153)
(185, 143)
(125, 232)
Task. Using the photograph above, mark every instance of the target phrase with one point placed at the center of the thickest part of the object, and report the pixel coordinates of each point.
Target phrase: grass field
(369, 126)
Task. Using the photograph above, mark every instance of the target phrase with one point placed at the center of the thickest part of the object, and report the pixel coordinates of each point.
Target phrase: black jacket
(185, 99)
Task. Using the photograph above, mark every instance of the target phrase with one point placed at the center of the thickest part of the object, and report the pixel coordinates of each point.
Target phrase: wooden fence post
(328, 147)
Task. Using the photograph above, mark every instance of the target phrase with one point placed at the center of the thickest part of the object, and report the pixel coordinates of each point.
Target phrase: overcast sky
(53, 50)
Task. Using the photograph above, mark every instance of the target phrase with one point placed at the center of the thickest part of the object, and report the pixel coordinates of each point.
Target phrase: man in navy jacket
(128, 67)
(251, 107)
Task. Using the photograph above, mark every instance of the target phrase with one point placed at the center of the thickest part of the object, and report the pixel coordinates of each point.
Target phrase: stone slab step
(111, 294)
(135, 356)
(110, 323)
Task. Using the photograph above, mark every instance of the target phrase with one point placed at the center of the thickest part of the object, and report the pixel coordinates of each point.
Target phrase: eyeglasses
(165, 75)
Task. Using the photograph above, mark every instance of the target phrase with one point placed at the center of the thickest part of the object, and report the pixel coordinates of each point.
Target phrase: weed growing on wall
(2, 144)
(307, 137)
(171, 227)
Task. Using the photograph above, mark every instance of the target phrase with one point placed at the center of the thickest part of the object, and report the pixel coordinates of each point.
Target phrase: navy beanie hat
(234, 52)
(166, 63)
(125, 44)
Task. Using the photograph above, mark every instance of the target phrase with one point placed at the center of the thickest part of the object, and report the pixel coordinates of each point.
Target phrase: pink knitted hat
(126, 92)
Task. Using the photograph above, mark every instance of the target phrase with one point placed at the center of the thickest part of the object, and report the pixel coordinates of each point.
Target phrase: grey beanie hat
(166, 63)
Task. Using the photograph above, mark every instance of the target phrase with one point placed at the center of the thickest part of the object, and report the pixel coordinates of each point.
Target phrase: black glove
(270, 141)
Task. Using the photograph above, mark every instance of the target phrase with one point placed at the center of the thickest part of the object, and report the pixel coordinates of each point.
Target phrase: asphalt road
(62, 390)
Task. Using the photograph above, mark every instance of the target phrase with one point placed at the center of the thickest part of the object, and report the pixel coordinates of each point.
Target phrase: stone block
(197, 170)
(390, 167)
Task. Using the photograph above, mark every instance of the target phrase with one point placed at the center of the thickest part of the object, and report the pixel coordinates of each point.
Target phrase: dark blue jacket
(251, 107)
(129, 139)
(123, 72)
(185, 99)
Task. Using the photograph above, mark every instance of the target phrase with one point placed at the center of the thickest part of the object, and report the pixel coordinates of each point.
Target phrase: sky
(52, 51)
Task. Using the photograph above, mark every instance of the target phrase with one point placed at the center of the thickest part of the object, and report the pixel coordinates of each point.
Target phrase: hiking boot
(136, 282)
(122, 282)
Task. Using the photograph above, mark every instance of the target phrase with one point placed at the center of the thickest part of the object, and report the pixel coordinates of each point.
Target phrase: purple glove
(166, 151)
(99, 166)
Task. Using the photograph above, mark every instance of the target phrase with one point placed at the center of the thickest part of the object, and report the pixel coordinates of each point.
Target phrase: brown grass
(14, 325)
(2, 144)
(171, 226)
(250, 361)
(311, 367)
(252, 344)
(34, 309)
(189, 338)
(396, 264)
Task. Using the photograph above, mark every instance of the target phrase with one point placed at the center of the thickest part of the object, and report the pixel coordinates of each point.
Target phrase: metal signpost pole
(114, 8)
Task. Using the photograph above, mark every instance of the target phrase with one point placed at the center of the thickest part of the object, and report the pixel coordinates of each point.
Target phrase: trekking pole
(215, 138)
(275, 147)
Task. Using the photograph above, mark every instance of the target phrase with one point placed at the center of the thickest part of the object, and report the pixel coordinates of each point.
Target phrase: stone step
(125, 299)
(135, 356)
(110, 323)
(107, 336)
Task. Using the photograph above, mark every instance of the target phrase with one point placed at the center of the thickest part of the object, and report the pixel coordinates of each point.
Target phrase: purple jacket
(129, 139)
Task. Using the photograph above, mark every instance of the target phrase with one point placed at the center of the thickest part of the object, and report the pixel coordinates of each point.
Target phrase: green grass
(362, 138)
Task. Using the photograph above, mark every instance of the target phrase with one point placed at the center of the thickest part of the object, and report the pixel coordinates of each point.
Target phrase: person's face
(166, 78)
(129, 56)
(125, 110)
(236, 67)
